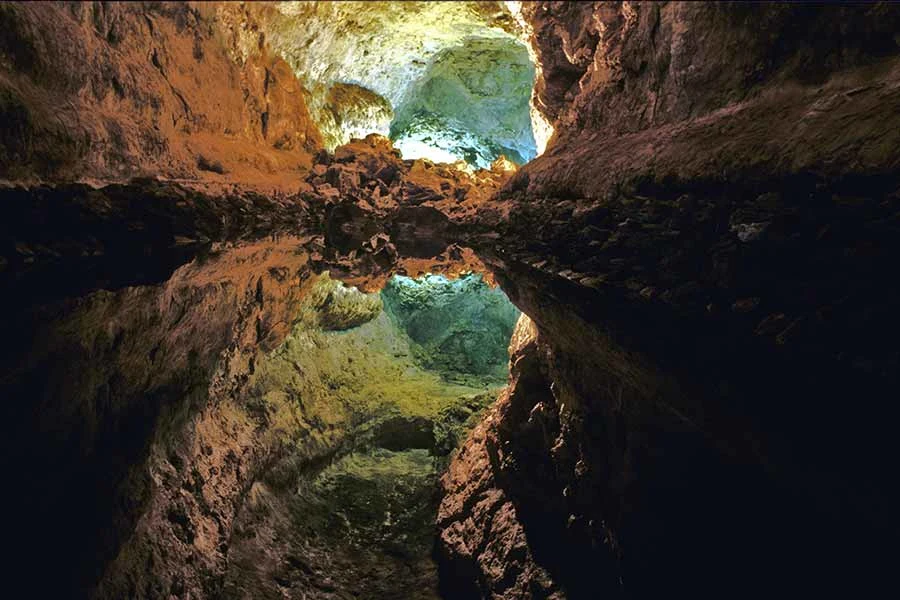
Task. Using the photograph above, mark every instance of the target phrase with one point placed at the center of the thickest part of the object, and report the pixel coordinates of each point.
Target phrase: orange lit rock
(110, 91)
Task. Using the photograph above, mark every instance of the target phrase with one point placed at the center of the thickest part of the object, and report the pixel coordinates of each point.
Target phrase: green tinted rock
(459, 328)
(473, 103)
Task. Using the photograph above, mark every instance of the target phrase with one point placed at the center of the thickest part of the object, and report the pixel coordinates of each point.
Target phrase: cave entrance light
(447, 81)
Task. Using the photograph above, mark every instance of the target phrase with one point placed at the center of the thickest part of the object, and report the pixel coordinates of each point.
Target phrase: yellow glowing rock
(503, 164)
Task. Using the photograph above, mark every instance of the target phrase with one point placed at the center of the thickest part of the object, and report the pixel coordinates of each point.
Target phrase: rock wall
(350, 505)
(270, 418)
(635, 89)
(702, 250)
(472, 103)
(140, 320)
(113, 400)
(701, 404)
(483, 545)
(458, 328)
(132, 316)
(386, 48)
(108, 91)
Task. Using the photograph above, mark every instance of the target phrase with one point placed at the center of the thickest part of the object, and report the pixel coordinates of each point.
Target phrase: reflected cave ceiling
(446, 81)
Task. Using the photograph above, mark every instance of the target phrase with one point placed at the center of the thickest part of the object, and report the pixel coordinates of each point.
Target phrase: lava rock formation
(197, 403)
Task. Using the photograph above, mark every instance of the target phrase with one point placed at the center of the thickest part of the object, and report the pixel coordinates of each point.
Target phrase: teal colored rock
(460, 328)
(472, 103)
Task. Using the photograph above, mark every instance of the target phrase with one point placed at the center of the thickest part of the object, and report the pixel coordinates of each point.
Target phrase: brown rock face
(113, 90)
(628, 66)
(701, 250)
(645, 85)
(482, 536)
(700, 403)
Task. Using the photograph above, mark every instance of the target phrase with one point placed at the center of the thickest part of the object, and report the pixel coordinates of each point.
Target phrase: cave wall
(115, 399)
(329, 377)
(350, 504)
(382, 47)
(703, 400)
(459, 328)
(702, 250)
(633, 89)
(108, 91)
(140, 320)
(473, 103)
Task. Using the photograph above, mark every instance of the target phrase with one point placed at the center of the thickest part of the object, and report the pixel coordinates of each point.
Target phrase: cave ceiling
(447, 81)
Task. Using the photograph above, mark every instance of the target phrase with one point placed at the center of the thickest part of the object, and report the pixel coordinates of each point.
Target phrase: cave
(449, 300)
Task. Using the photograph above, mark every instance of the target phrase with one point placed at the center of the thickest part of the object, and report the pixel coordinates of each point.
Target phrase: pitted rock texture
(483, 544)
(701, 250)
(108, 91)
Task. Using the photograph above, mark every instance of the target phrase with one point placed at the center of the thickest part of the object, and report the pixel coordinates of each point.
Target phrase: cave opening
(373, 392)
(446, 81)
(471, 104)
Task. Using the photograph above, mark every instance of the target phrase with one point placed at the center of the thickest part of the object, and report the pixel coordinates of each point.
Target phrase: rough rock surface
(111, 393)
(156, 306)
(349, 508)
(472, 104)
(482, 540)
(379, 211)
(702, 405)
(384, 47)
(703, 248)
(276, 416)
(459, 328)
(108, 91)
